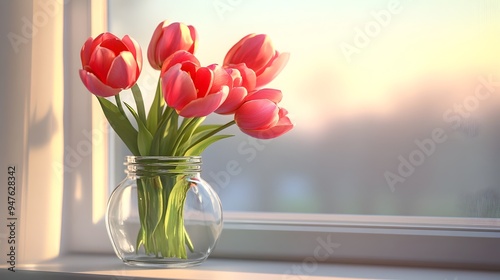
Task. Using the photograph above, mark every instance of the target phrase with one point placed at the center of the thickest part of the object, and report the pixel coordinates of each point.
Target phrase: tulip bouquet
(187, 92)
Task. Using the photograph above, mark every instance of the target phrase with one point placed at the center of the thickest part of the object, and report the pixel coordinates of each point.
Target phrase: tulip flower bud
(194, 91)
(169, 38)
(260, 117)
(257, 53)
(110, 64)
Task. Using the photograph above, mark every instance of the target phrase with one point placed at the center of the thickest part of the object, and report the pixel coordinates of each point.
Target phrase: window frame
(84, 207)
(392, 240)
(362, 239)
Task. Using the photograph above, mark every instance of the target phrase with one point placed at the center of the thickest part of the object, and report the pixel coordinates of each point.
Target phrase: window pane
(396, 104)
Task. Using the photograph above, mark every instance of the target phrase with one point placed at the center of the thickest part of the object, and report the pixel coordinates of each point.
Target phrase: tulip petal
(257, 115)
(95, 86)
(176, 36)
(203, 81)
(135, 49)
(272, 70)
(100, 62)
(194, 37)
(168, 42)
(249, 77)
(203, 106)
(256, 52)
(233, 101)
(86, 51)
(189, 68)
(153, 45)
(220, 78)
(178, 88)
(101, 38)
(180, 56)
(116, 45)
(228, 59)
(123, 71)
(284, 125)
(273, 95)
(236, 79)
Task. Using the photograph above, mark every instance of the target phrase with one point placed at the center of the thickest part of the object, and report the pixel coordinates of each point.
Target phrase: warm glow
(365, 80)
(99, 131)
(99, 163)
(42, 196)
(419, 41)
(218, 274)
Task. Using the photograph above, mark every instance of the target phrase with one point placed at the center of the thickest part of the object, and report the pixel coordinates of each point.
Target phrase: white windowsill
(109, 267)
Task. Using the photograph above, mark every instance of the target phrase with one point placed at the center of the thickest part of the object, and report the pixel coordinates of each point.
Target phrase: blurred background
(396, 104)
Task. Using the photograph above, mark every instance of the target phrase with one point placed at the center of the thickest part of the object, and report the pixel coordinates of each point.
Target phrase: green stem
(161, 212)
(213, 132)
(119, 104)
(166, 116)
(139, 102)
(156, 109)
(184, 127)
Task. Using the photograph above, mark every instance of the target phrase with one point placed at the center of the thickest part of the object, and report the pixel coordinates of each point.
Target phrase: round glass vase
(163, 214)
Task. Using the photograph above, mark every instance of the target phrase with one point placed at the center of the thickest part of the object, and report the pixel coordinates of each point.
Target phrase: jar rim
(147, 165)
(162, 157)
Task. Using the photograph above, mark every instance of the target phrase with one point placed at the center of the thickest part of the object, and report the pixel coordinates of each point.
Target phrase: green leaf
(167, 143)
(144, 140)
(186, 139)
(174, 228)
(161, 132)
(119, 104)
(154, 114)
(203, 131)
(120, 124)
(157, 206)
(144, 137)
(155, 144)
(185, 126)
(153, 204)
(205, 127)
(139, 102)
(141, 236)
(206, 132)
(198, 148)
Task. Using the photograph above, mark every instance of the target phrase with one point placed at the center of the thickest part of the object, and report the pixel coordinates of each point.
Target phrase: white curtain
(32, 124)
(47, 128)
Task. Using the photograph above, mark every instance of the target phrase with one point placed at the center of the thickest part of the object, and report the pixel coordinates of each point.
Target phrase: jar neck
(162, 165)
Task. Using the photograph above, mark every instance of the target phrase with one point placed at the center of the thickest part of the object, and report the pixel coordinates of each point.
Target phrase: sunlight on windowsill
(85, 265)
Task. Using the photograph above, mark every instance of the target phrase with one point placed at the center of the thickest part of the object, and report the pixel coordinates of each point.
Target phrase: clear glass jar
(163, 214)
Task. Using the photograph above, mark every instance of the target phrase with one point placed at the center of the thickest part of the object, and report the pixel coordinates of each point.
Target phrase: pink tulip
(182, 57)
(110, 64)
(248, 77)
(260, 117)
(169, 38)
(258, 53)
(242, 81)
(194, 91)
(273, 95)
